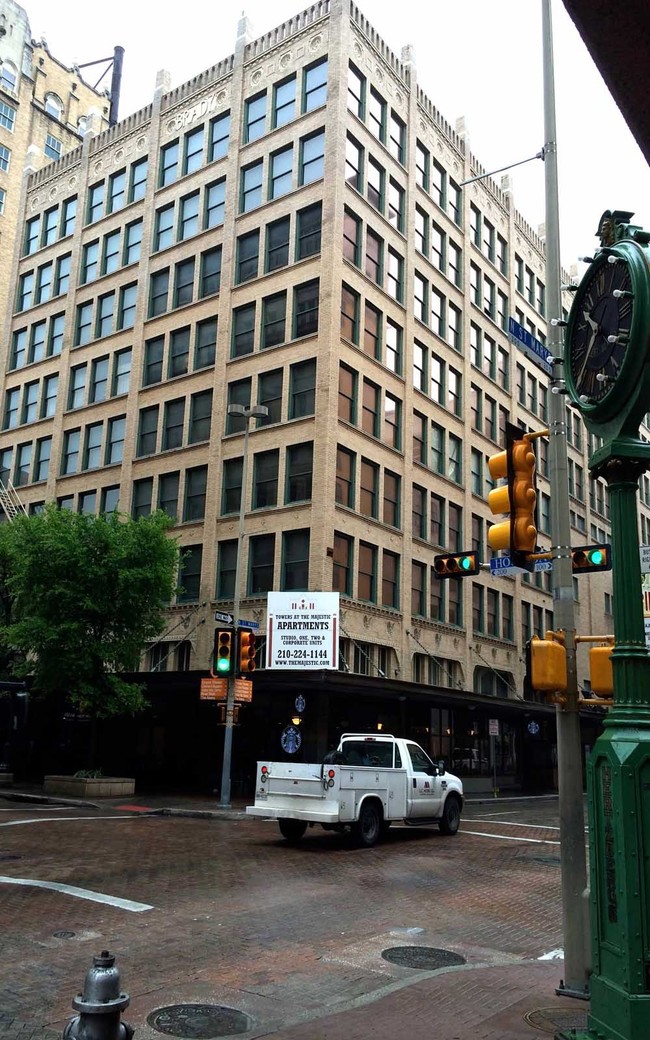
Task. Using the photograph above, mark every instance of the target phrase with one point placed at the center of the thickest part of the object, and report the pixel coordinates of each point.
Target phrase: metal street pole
(256, 411)
(569, 749)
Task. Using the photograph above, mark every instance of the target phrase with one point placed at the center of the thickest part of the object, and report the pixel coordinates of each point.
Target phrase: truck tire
(367, 830)
(292, 830)
(450, 819)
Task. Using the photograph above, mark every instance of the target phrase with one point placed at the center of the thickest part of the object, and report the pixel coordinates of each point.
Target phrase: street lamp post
(246, 412)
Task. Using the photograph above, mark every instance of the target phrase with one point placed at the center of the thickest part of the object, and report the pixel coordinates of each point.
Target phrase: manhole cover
(426, 957)
(63, 934)
(199, 1021)
(549, 1020)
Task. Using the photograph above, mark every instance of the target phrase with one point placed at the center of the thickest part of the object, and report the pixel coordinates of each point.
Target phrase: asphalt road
(223, 911)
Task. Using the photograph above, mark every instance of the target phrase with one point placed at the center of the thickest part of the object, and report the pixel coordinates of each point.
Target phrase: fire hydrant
(100, 1005)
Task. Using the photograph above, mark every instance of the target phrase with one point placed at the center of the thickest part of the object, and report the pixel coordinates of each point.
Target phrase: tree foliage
(86, 594)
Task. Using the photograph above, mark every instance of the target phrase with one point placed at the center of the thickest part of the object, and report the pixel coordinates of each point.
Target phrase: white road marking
(552, 955)
(72, 819)
(508, 812)
(509, 837)
(80, 893)
(37, 808)
(511, 823)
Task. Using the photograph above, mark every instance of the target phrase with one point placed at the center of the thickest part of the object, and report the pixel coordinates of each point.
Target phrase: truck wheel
(450, 819)
(368, 829)
(292, 830)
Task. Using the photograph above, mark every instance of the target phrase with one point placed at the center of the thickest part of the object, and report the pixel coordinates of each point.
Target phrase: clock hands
(595, 329)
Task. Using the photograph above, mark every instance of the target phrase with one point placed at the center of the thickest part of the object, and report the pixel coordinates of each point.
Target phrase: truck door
(425, 792)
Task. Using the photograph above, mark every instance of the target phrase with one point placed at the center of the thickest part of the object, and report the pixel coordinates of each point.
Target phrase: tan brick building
(45, 109)
(289, 229)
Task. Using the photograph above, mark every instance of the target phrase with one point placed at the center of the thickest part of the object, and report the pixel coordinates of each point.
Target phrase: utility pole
(573, 858)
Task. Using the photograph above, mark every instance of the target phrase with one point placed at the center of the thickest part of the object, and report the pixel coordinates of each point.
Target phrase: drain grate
(199, 1021)
(549, 1020)
(427, 958)
(63, 934)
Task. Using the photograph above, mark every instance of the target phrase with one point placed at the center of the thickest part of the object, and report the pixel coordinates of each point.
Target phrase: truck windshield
(368, 753)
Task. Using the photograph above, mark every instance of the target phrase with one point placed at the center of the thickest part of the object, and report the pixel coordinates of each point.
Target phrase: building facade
(291, 229)
(45, 109)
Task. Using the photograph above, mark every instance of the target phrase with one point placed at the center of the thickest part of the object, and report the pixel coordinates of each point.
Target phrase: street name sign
(530, 346)
(503, 566)
(644, 551)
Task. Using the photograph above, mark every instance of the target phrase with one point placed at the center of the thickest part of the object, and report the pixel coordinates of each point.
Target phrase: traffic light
(246, 651)
(546, 669)
(587, 558)
(456, 565)
(517, 497)
(222, 655)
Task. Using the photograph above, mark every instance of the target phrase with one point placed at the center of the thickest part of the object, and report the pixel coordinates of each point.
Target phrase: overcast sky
(474, 59)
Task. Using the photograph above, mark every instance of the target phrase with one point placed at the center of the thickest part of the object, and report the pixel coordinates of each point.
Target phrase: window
(299, 468)
(265, 479)
(159, 287)
(126, 306)
(274, 311)
(377, 115)
(43, 283)
(184, 282)
(342, 564)
(37, 342)
(305, 308)
(18, 350)
(351, 237)
(295, 560)
(312, 158)
(219, 137)
(179, 352)
(10, 418)
(232, 485)
(345, 475)
(196, 484)
(95, 202)
(116, 191)
(210, 274)
(153, 360)
(7, 116)
(302, 389)
(314, 85)
(226, 565)
(138, 180)
(25, 290)
(111, 252)
(368, 488)
(353, 163)
(164, 227)
(392, 434)
(98, 390)
(281, 173)
(277, 244)
(188, 220)
(347, 394)
(243, 330)
(53, 147)
(356, 91)
(254, 117)
(50, 390)
(349, 314)
(200, 417)
(396, 196)
(375, 187)
(239, 392)
(173, 422)
(374, 256)
(372, 331)
(391, 499)
(308, 233)
(205, 347)
(367, 573)
(8, 76)
(77, 387)
(89, 262)
(455, 459)
(395, 276)
(32, 235)
(269, 394)
(168, 164)
(105, 315)
(148, 431)
(193, 150)
(93, 446)
(43, 456)
(251, 186)
(390, 580)
(260, 562)
(70, 456)
(132, 242)
(23, 464)
(370, 408)
(397, 138)
(189, 576)
(55, 338)
(122, 372)
(248, 255)
(115, 440)
(215, 203)
(5, 156)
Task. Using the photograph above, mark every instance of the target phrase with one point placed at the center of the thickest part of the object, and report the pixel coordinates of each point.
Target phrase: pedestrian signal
(456, 565)
(246, 651)
(546, 669)
(222, 655)
(587, 558)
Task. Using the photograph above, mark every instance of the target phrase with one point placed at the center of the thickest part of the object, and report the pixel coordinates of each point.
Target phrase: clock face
(601, 323)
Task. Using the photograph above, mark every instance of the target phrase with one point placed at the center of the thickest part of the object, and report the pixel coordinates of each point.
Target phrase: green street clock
(607, 346)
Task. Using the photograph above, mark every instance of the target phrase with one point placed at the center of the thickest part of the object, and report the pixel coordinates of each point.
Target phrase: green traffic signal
(456, 565)
(596, 557)
(588, 558)
(223, 653)
(465, 563)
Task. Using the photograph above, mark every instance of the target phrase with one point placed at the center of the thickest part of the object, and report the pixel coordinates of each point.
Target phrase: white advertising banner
(302, 630)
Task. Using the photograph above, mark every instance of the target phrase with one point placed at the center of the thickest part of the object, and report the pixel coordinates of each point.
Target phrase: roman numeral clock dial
(599, 335)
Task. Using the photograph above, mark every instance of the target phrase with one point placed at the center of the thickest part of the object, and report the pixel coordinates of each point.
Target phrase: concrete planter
(89, 787)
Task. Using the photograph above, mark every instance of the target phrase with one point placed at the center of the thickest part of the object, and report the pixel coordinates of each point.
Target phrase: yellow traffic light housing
(546, 667)
(222, 654)
(456, 565)
(246, 651)
(601, 675)
(517, 497)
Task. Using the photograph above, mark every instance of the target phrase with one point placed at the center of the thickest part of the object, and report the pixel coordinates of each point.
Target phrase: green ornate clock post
(607, 373)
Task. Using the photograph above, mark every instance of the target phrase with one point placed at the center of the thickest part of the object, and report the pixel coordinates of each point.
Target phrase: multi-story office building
(45, 109)
(291, 228)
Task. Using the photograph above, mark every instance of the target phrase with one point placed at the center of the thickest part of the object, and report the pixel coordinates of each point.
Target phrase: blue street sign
(248, 624)
(532, 347)
(503, 565)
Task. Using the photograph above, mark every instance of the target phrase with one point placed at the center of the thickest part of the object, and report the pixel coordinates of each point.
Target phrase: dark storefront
(177, 743)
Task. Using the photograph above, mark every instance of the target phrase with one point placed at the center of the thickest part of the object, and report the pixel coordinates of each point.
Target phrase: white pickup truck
(367, 783)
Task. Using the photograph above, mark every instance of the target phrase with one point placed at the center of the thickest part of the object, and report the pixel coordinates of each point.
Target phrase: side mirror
(442, 766)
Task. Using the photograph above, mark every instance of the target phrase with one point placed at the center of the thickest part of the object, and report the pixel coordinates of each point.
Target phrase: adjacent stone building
(290, 229)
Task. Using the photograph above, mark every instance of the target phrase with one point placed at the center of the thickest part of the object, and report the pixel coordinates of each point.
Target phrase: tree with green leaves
(84, 595)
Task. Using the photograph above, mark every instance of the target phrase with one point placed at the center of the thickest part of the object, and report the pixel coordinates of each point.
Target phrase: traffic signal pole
(569, 748)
